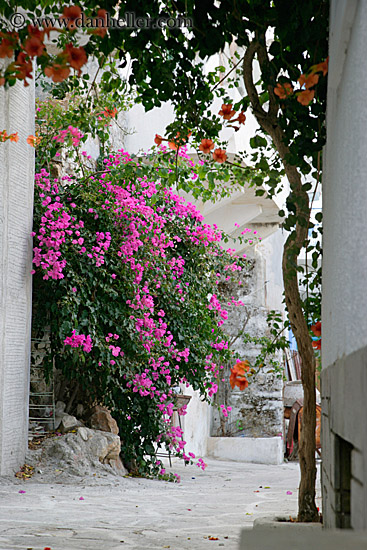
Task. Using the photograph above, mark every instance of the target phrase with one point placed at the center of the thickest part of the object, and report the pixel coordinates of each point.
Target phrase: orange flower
(34, 46)
(316, 344)
(226, 111)
(158, 139)
(238, 377)
(283, 90)
(35, 32)
(172, 145)
(75, 56)
(57, 72)
(309, 81)
(316, 328)
(175, 146)
(33, 140)
(219, 155)
(3, 135)
(6, 48)
(23, 67)
(305, 97)
(110, 113)
(14, 137)
(321, 67)
(101, 23)
(206, 146)
(71, 14)
(2, 81)
(241, 118)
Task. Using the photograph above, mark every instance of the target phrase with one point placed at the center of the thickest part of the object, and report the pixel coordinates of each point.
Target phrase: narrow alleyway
(206, 510)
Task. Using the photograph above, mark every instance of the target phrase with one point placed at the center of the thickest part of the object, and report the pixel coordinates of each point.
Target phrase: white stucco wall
(196, 424)
(344, 314)
(16, 208)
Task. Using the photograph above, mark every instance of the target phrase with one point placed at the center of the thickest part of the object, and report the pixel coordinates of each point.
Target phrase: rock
(60, 408)
(79, 410)
(83, 432)
(101, 419)
(85, 451)
(68, 423)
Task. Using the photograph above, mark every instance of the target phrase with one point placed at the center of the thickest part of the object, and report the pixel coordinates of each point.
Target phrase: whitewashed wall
(16, 208)
(344, 307)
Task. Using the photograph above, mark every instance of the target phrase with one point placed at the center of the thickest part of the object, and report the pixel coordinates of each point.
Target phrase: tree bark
(268, 120)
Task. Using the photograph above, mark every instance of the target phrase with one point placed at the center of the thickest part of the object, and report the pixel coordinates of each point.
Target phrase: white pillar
(16, 210)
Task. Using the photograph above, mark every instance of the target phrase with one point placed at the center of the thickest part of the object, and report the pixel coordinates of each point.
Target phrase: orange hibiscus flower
(34, 46)
(101, 23)
(109, 113)
(33, 140)
(226, 111)
(158, 139)
(219, 155)
(238, 377)
(321, 67)
(6, 48)
(241, 118)
(283, 90)
(76, 56)
(24, 67)
(71, 14)
(57, 72)
(206, 146)
(14, 137)
(309, 81)
(316, 328)
(317, 344)
(305, 97)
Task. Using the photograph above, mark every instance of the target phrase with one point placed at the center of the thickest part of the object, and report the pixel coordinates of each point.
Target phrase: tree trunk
(268, 120)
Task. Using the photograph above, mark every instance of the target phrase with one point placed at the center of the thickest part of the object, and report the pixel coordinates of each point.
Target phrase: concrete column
(16, 211)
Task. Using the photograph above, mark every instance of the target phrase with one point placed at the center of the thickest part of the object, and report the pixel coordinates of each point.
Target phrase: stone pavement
(139, 514)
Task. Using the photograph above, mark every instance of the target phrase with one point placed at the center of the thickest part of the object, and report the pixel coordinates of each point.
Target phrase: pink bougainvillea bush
(126, 274)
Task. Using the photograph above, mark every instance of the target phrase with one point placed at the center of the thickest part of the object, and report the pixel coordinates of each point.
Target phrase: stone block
(101, 419)
(69, 423)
